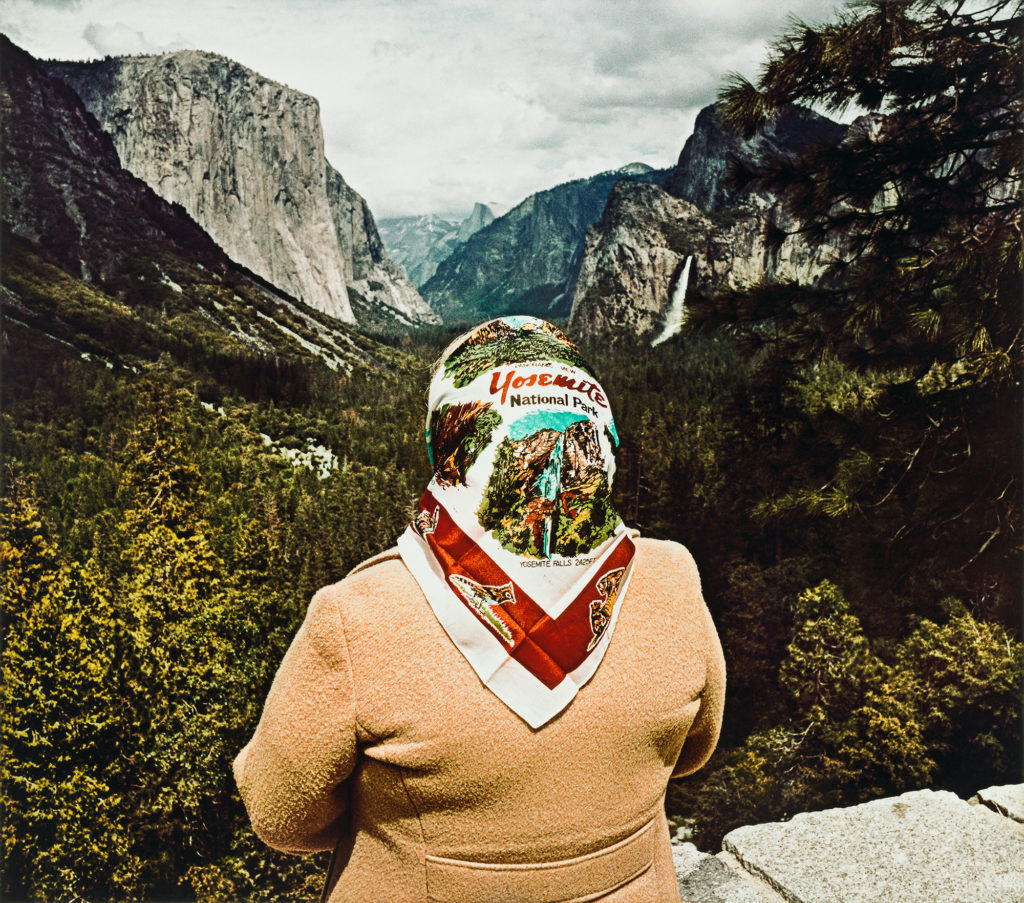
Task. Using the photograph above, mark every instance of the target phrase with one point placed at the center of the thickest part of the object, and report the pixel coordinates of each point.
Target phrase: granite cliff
(527, 260)
(379, 292)
(96, 264)
(701, 176)
(924, 846)
(633, 260)
(245, 157)
(635, 256)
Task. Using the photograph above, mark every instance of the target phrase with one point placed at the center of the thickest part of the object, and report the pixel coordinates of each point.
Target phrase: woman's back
(439, 776)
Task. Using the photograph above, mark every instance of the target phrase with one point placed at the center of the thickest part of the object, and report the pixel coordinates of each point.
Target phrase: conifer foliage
(157, 559)
(925, 191)
(921, 203)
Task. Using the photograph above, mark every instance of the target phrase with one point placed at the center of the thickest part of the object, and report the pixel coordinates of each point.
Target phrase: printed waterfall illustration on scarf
(516, 545)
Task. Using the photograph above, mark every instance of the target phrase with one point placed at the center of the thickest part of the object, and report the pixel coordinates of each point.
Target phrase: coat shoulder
(666, 577)
(385, 570)
(367, 594)
(666, 559)
(391, 554)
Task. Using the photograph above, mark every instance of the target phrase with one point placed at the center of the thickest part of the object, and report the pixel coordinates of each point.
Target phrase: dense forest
(160, 553)
(843, 462)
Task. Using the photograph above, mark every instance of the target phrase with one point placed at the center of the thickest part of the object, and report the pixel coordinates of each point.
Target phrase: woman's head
(516, 544)
(518, 423)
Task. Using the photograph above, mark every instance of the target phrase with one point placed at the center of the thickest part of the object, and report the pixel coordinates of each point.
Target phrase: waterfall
(677, 307)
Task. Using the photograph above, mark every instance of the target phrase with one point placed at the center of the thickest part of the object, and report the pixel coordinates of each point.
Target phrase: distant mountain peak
(635, 169)
(421, 243)
(526, 260)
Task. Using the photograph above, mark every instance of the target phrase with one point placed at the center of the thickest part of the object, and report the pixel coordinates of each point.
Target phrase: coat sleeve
(703, 736)
(292, 773)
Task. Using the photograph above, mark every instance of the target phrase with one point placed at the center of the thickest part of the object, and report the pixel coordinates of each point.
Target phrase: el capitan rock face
(245, 157)
(96, 262)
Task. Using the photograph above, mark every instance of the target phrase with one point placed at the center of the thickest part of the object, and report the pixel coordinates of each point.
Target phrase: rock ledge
(925, 846)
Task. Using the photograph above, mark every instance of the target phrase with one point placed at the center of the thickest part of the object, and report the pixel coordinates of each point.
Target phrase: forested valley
(843, 460)
(159, 555)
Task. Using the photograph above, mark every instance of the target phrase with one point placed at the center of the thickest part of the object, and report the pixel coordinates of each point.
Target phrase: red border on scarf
(549, 648)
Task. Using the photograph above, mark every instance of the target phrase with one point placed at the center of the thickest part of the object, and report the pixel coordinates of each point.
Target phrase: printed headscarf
(516, 545)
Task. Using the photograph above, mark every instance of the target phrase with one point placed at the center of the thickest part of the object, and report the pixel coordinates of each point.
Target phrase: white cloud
(429, 105)
(119, 39)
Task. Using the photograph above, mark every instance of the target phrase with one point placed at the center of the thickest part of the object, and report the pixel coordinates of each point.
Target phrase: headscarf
(515, 544)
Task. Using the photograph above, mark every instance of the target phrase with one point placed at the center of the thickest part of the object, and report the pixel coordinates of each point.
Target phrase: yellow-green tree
(66, 832)
(943, 712)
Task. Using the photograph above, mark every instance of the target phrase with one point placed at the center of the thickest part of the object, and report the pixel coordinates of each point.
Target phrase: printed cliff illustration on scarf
(516, 544)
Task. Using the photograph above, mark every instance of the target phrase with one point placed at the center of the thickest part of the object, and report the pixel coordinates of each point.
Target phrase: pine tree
(924, 192)
(922, 200)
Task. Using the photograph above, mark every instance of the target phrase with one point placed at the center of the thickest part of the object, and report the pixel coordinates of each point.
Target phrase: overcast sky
(430, 105)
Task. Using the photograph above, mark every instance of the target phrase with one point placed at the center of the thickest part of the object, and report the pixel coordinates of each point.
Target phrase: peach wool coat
(377, 741)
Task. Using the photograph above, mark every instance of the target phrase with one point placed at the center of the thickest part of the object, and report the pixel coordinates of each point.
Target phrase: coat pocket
(574, 880)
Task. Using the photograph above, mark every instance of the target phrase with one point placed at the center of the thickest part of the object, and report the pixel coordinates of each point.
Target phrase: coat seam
(350, 674)
(368, 733)
(348, 666)
(419, 821)
(412, 804)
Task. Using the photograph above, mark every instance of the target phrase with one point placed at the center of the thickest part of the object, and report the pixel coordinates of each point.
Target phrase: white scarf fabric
(515, 545)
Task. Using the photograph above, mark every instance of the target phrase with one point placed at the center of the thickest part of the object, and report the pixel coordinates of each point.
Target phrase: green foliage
(251, 871)
(829, 662)
(157, 561)
(944, 711)
(895, 381)
(963, 679)
(64, 829)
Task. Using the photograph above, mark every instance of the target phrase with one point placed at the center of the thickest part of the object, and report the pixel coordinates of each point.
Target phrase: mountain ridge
(525, 261)
(245, 156)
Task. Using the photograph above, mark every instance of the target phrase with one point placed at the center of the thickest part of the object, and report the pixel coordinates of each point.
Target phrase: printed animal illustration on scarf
(516, 544)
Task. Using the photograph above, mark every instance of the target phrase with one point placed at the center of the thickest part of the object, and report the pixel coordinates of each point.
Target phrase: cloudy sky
(430, 105)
